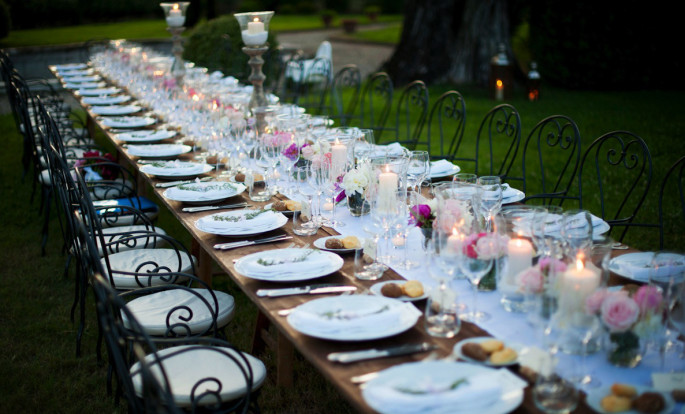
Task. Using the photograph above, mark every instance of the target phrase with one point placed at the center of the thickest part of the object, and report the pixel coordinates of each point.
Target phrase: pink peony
(307, 151)
(619, 312)
(531, 280)
(648, 298)
(469, 245)
(491, 246)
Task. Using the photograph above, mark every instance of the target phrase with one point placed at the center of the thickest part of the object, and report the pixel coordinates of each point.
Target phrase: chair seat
(151, 310)
(185, 369)
(113, 191)
(129, 261)
(112, 234)
(45, 178)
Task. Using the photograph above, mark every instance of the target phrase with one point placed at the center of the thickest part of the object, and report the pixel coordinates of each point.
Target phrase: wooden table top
(313, 349)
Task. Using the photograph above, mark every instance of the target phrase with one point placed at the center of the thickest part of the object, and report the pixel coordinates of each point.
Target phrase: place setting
(116, 109)
(160, 151)
(106, 100)
(443, 169)
(288, 265)
(128, 121)
(203, 192)
(639, 266)
(246, 222)
(175, 169)
(97, 91)
(145, 136)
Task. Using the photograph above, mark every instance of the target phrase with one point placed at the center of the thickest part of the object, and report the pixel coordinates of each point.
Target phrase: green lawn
(153, 29)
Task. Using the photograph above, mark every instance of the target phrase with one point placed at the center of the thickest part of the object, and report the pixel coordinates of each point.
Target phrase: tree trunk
(449, 41)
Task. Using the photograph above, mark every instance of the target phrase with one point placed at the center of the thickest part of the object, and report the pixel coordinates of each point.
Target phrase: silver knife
(304, 290)
(175, 183)
(354, 356)
(233, 245)
(207, 208)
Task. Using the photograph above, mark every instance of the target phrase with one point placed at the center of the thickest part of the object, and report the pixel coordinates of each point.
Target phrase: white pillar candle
(387, 185)
(499, 90)
(520, 256)
(338, 157)
(255, 27)
(454, 241)
(578, 282)
(175, 17)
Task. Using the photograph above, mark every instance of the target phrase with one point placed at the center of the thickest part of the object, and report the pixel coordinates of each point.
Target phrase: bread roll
(474, 351)
(351, 242)
(504, 356)
(623, 390)
(391, 290)
(649, 402)
(492, 345)
(613, 403)
(412, 288)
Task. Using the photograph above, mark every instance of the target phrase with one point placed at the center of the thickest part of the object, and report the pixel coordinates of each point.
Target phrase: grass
(154, 29)
(388, 35)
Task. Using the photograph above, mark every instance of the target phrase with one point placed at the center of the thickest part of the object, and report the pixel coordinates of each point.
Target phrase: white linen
(441, 167)
(175, 167)
(115, 109)
(285, 262)
(203, 191)
(158, 150)
(244, 225)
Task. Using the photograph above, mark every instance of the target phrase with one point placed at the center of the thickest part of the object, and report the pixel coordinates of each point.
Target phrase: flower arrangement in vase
(487, 246)
(355, 184)
(630, 316)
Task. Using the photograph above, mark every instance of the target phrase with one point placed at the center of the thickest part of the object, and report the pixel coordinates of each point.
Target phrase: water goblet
(475, 262)
(419, 167)
(490, 200)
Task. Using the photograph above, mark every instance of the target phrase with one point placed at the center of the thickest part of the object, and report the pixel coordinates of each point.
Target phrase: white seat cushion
(129, 261)
(186, 369)
(112, 234)
(152, 310)
(45, 178)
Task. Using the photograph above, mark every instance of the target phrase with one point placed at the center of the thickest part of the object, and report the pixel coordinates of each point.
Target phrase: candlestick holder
(175, 15)
(254, 30)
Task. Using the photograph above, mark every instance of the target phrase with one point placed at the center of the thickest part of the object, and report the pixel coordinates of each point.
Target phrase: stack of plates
(241, 222)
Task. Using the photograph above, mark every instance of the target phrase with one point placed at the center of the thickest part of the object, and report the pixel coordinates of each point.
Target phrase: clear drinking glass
(419, 166)
(490, 197)
(475, 263)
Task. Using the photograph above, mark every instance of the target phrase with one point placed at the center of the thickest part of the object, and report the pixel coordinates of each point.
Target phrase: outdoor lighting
(254, 30)
(533, 83)
(501, 78)
(175, 14)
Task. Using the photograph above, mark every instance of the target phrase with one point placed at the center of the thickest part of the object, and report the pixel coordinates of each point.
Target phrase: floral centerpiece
(89, 163)
(487, 246)
(629, 316)
(536, 279)
(355, 184)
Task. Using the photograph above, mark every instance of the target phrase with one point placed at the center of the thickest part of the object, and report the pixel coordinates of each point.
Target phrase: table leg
(204, 271)
(260, 330)
(284, 362)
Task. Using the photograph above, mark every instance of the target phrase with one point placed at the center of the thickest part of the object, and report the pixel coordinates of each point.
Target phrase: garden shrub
(217, 45)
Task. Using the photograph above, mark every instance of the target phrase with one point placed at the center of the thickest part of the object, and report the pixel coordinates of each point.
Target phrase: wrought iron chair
(546, 179)
(446, 120)
(344, 94)
(410, 116)
(672, 221)
(617, 166)
(315, 85)
(374, 104)
(499, 130)
(290, 86)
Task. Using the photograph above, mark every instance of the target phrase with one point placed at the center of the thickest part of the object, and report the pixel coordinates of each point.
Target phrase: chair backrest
(315, 84)
(325, 50)
(344, 94)
(499, 137)
(445, 122)
(410, 116)
(375, 103)
(616, 171)
(290, 83)
(551, 154)
(672, 206)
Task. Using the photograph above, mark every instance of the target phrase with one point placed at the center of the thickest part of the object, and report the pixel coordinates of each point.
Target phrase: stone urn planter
(350, 25)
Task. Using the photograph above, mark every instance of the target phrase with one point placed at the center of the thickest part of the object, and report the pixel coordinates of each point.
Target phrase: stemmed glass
(333, 190)
(576, 229)
(667, 273)
(490, 198)
(386, 208)
(320, 172)
(475, 262)
(306, 187)
(676, 315)
(419, 167)
(584, 327)
(406, 224)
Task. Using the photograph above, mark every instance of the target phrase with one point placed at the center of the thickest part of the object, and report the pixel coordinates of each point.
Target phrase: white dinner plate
(511, 195)
(636, 266)
(76, 72)
(288, 265)
(82, 79)
(426, 387)
(442, 174)
(320, 243)
(128, 121)
(106, 100)
(353, 317)
(203, 192)
(97, 91)
(84, 85)
(158, 150)
(70, 66)
(146, 135)
(376, 290)
(218, 223)
(176, 170)
(594, 396)
(288, 213)
(116, 109)
(481, 339)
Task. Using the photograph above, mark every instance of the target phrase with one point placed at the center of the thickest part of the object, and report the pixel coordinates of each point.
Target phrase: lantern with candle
(254, 30)
(533, 83)
(175, 14)
(501, 77)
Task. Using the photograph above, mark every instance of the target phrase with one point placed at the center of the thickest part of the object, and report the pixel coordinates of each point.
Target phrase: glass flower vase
(624, 349)
(358, 205)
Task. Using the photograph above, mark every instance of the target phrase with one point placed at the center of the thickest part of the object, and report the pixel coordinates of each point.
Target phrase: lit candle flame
(175, 7)
(256, 19)
(499, 83)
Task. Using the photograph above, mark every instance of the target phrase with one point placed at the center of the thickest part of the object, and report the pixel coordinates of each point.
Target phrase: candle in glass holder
(499, 90)
(255, 35)
(520, 256)
(454, 242)
(387, 185)
(577, 283)
(338, 157)
(175, 17)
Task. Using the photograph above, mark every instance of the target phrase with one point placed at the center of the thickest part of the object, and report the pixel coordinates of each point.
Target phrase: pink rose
(307, 152)
(593, 303)
(550, 265)
(491, 246)
(531, 280)
(648, 298)
(469, 245)
(619, 312)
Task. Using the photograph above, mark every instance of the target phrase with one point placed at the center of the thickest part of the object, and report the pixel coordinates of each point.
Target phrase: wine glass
(490, 198)
(667, 273)
(419, 167)
(465, 178)
(475, 261)
(405, 225)
(306, 188)
(584, 328)
(333, 190)
(576, 229)
(386, 207)
(676, 315)
(320, 173)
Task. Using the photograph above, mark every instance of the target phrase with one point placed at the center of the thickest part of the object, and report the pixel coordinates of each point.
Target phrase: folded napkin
(555, 222)
(441, 167)
(202, 191)
(287, 262)
(417, 395)
(244, 225)
(365, 319)
(153, 149)
(639, 267)
(508, 192)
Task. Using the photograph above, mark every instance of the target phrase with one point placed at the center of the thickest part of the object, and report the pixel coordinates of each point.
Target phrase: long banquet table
(502, 325)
